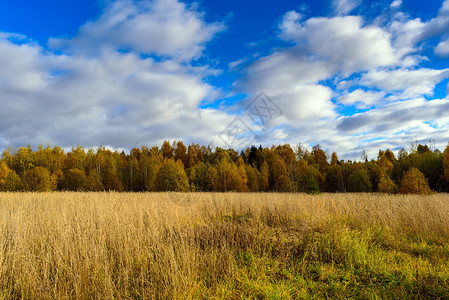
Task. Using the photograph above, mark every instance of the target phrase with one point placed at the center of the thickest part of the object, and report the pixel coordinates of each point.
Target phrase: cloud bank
(133, 76)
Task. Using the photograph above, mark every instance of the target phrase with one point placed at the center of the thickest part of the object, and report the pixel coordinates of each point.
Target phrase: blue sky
(351, 75)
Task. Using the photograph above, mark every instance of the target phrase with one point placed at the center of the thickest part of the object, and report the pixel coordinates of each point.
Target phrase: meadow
(223, 246)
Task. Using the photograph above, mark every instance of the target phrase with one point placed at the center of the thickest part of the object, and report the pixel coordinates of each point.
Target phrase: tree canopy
(177, 167)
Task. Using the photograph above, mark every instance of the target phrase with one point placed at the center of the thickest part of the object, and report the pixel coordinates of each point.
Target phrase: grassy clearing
(226, 246)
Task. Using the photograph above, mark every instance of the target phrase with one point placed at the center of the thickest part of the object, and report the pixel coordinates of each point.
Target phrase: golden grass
(276, 246)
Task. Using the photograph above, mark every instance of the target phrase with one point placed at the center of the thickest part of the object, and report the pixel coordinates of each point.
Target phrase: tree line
(175, 167)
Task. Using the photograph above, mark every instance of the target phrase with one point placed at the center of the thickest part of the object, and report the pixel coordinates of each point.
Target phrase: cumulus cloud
(408, 33)
(396, 4)
(323, 48)
(343, 42)
(161, 27)
(97, 93)
(442, 49)
(373, 66)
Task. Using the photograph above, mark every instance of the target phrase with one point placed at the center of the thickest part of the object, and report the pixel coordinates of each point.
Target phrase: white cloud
(396, 117)
(344, 7)
(409, 83)
(94, 94)
(161, 27)
(362, 99)
(102, 90)
(442, 49)
(396, 4)
(21, 71)
(291, 82)
(372, 64)
(397, 125)
(409, 33)
(233, 65)
(343, 42)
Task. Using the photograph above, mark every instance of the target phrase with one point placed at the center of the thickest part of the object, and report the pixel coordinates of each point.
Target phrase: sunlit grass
(225, 246)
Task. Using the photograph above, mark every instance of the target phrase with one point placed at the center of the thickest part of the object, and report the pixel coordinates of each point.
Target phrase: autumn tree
(74, 180)
(75, 158)
(172, 177)
(252, 175)
(180, 152)
(134, 178)
(57, 180)
(386, 159)
(375, 173)
(211, 179)
(402, 154)
(431, 164)
(301, 175)
(307, 178)
(192, 156)
(4, 171)
(334, 159)
(23, 160)
(199, 179)
(414, 182)
(359, 181)
(320, 158)
(264, 177)
(421, 149)
(334, 179)
(37, 180)
(386, 185)
(150, 162)
(50, 158)
(110, 181)
(167, 149)
(8, 157)
(280, 181)
(191, 174)
(251, 155)
(230, 176)
(13, 182)
(90, 161)
(315, 180)
(93, 182)
(446, 163)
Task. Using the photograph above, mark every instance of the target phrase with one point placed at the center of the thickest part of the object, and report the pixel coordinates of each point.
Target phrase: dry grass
(277, 246)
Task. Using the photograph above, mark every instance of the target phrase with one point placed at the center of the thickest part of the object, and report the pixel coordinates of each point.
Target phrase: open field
(225, 246)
